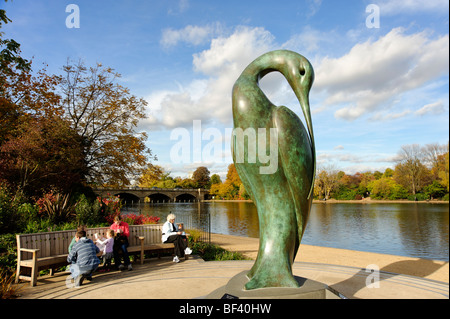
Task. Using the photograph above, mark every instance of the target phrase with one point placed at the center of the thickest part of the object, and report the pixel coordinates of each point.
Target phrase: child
(106, 247)
(79, 228)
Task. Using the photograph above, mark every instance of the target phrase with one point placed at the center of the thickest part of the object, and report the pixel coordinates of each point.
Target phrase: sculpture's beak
(302, 94)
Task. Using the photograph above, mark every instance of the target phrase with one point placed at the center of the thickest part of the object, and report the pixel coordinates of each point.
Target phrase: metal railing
(199, 222)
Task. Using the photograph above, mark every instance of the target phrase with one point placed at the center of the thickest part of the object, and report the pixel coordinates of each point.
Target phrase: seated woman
(171, 234)
(122, 232)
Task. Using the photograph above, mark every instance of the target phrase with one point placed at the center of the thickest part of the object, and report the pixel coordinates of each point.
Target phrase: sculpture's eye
(302, 71)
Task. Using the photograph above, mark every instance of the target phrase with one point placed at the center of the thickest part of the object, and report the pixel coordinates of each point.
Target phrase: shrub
(7, 289)
(194, 235)
(8, 252)
(88, 212)
(11, 220)
(418, 197)
(56, 207)
(212, 252)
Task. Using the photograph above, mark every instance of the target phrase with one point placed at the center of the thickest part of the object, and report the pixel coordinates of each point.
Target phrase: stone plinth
(309, 289)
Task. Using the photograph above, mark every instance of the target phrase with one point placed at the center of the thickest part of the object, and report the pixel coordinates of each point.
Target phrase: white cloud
(433, 108)
(383, 116)
(365, 79)
(309, 40)
(314, 7)
(209, 98)
(190, 34)
(233, 53)
(182, 6)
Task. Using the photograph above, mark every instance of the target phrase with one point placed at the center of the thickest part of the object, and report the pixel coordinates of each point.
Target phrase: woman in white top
(171, 234)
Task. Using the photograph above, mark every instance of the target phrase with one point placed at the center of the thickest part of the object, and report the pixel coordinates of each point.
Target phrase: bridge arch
(132, 195)
(159, 198)
(128, 198)
(185, 197)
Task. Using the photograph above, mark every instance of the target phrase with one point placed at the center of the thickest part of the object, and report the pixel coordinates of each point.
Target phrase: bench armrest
(29, 250)
(141, 238)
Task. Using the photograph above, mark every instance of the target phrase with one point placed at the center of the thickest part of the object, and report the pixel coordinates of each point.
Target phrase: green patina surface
(282, 196)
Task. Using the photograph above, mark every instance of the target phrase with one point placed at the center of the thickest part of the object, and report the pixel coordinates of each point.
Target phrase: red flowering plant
(133, 219)
(109, 207)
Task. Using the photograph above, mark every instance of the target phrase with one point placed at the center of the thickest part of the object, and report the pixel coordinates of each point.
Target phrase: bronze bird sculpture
(283, 198)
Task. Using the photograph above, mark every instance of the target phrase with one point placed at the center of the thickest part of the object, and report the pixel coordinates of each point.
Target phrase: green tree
(215, 179)
(10, 49)
(387, 188)
(435, 190)
(389, 172)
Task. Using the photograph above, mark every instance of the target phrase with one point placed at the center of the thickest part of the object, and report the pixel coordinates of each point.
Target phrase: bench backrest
(57, 242)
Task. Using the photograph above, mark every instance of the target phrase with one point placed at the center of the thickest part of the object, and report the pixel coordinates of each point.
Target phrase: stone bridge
(154, 194)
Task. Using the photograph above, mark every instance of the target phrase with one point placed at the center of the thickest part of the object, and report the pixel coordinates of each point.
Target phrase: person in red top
(122, 232)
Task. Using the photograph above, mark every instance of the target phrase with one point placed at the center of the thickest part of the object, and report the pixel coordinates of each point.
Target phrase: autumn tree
(232, 188)
(437, 156)
(38, 150)
(443, 170)
(410, 171)
(44, 155)
(432, 154)
(232, 184)
(105, 115)
(152, 175)
(201, 177)
(327, 181)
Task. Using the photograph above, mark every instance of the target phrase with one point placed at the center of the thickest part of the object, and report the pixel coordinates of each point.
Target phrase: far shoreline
(335, 201)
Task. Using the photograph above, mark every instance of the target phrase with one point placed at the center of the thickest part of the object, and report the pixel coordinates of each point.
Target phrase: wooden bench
(50, 250)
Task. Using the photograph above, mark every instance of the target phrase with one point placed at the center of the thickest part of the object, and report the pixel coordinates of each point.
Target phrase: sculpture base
(309, 289)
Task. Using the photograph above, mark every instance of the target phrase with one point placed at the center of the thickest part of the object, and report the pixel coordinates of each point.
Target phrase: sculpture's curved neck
(293, 67)
(264, 65)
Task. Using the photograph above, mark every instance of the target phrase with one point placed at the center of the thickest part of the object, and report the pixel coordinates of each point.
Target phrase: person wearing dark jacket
(83, 258)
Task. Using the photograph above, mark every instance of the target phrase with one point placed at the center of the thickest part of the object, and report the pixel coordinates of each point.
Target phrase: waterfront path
(342, 270)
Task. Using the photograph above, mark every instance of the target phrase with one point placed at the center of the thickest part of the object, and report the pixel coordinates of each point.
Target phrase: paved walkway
(194, 278)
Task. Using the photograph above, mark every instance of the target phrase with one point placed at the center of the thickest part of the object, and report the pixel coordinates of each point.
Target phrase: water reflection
(412, 229)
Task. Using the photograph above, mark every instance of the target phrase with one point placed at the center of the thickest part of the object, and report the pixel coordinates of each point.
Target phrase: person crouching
(83, 258)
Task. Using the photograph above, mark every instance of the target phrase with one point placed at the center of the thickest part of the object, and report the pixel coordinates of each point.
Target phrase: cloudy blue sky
(378, 86)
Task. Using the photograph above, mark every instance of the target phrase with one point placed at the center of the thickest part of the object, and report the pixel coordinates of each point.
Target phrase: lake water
(405, 229)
